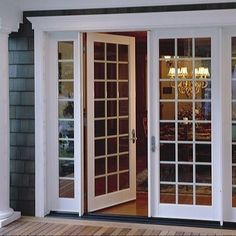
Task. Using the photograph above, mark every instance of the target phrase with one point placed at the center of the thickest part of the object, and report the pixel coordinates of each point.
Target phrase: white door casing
(117, 194)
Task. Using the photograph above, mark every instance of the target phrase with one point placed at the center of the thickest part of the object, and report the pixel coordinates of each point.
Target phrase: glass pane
(112, 164)
(185, 111)
(185, 194)
(203, 195)
(233, 68)
(233, 89)
(99, 90)
(167, 110)
(167, 69)
(233, 197)
(65, 70)
(112, 127)
(111, 145)
(233, 46)
(167, 152)
(184, 47)
(65, 50)
(203, 110)
(65, 90)
(203, 152)
(167, 131)
(166, 90)
(185, 152)
(99, 51)
(99, 70)
(234, 153)
(123, 162)
(123, 90)
(167, 172)
(100, 168)
(112, 183)
(203, 47)
(233, 132)
(111, 90)
(111, 108)
(185, 173)
(123, 72)
(66, 149)
(124, 180)
(185, 131)
(99, 109)
(185, 89)
(203, 174)
(100, 186)
(100, 147)
(203, 131)
(234, 175)
(66, 188)
(167, 193)
(203, 93)
(233, 110)
(66, 109)
(123, 107)
(111, 71)
(111, 52)
(166, 48)
(123, 52)
(202, 69)
(66, 129)
(123, 126)
(99, 128)
(124, 144)
(185, 69)
(66, 168)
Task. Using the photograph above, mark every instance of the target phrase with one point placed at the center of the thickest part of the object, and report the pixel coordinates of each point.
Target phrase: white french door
(183, 86)
(111, 157)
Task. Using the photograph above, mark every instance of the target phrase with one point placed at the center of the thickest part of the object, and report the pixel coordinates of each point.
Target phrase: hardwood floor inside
(138, 207)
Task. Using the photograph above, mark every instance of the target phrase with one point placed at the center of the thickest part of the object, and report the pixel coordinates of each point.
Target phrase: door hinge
(153, 143)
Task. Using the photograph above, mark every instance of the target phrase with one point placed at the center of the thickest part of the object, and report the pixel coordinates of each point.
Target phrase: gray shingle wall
(22, 163)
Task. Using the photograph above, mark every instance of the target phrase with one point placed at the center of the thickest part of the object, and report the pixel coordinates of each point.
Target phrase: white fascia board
(135, 21)
(10, 16)
(27, 5)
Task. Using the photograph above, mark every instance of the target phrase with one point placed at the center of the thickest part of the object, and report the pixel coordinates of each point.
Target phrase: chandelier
(186, 86)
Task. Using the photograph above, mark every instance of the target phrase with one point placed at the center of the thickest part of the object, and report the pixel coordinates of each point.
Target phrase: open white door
(111, 158)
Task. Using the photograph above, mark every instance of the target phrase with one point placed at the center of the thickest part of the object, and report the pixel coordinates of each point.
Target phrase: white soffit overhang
(139, 21)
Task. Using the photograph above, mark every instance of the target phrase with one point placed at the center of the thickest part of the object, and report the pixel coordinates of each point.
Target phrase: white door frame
(109, 23)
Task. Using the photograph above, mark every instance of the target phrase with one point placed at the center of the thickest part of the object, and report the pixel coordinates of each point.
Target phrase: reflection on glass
(202, 47)
(166, 90)
(100, 186)
(66, 168)
(112, 183)
(66, 149)
(66, 129)
(65, 71)
(167, 131)
(184, 47)
(185, 131)
(100, 147)
(185, 111)
(111, 52)
(100, 167)
(112, 127)
(203, 195)
(111, 71)
(99, 51)
(66, 109)
(185, 152)
(167, 152)
(99, 129)
(167, 110)
(185, 194)
(203, 153)
(167, 193)
(203, 174)
(123, 52)
(65, 90)
(166, 48)
(123, 180)
(185, 173)
(65, 50)
(66, 188)
(123, 162)
(112, 164)
(99, 109)
(203, 110)
(99, 70)
(164, 69)
(167, 172)
(203, 131)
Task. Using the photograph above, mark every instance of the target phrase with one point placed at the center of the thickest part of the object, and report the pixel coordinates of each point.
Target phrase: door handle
(133, 136)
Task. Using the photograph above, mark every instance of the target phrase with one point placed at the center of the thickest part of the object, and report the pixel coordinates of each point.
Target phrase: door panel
(111, 119)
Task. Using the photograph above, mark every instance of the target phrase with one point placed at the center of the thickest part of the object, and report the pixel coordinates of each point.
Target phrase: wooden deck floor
(55, 226)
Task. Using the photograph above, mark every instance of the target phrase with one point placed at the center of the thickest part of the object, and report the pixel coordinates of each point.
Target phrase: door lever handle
(133, 136)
